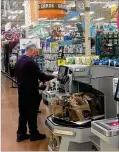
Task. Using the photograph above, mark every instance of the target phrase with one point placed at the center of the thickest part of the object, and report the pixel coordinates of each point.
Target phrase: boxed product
(54, 142)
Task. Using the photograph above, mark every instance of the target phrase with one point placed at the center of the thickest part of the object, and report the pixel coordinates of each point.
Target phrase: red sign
(11, 36)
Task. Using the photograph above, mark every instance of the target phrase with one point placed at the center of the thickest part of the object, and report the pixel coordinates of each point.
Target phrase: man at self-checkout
(27, 74)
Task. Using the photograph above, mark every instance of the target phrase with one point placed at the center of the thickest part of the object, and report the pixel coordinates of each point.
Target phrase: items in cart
(77, 107)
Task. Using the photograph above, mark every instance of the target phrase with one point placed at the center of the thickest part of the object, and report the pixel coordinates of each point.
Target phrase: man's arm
(40, 75)
(44, 77)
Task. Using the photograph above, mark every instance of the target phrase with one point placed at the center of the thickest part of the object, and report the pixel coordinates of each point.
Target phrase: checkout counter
(79, 78)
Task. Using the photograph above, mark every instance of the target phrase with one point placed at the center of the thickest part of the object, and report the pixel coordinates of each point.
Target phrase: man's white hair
(30, 46)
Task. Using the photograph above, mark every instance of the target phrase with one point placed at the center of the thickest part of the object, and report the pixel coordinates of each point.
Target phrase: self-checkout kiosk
(107, 131)
(76, 78)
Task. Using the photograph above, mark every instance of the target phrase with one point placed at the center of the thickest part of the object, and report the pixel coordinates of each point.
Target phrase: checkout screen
(118, 93)
(61, 72)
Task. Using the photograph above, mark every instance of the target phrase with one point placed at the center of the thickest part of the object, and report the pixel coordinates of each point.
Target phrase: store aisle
(9, 121)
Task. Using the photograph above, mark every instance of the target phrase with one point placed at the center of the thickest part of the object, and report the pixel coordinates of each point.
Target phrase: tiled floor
(9, 119)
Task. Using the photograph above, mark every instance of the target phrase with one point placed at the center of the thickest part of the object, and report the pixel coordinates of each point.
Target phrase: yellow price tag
(61, 62)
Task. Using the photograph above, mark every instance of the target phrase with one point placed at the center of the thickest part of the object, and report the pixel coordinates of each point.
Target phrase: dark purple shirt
(27, 73)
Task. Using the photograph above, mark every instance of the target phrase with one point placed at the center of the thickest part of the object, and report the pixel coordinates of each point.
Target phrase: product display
(108, 62)
(82, 60)
(107, 44)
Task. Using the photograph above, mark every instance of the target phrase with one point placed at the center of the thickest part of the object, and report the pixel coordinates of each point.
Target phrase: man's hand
(55, 74)
(41, 84)
(47, 83)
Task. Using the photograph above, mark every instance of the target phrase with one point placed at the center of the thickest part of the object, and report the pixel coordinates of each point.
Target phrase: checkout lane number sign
(61, 62)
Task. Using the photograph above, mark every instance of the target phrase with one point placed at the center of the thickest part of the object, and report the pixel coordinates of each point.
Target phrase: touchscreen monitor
(62, 72)
(117, 92)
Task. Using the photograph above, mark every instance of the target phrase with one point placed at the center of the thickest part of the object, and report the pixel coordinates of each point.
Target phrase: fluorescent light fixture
(99, 19)
(23, 4)
(92, 12)
(71, 5)
(57, 23)
(98, 2)
(12, 17)
(113, 5)
(82, 14)
(20, 11)
(23, 26)
(42, 19)
(68, 26)
(73, 27)
(9, 17)
(73, 19)
(16, 12)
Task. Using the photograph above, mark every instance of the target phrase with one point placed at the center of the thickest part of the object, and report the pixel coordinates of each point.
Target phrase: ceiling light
(57, 23)
(82, 14)
(23, 4)
(12, 17)
(73, 19)
(42, 19)
(71, 4)
(98, 2)
(110, 6)
(9, 17)
(16, 12)
(23, 26)
(11, 12)
(92, 13)
(20, 11)
(99, 19)
(73, 27)
(68, 26)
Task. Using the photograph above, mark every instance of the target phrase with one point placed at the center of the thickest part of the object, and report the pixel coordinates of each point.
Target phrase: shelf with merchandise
(107, 43)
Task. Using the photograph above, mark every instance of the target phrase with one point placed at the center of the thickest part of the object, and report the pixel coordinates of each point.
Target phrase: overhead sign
(8, 26)
(80, 6)
(52, 6)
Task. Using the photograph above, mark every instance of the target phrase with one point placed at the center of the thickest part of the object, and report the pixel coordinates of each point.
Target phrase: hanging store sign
(80, 6)
(52, 6)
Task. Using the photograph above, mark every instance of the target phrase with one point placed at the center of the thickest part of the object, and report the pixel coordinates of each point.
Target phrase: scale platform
(107, 131)
(107, 127)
